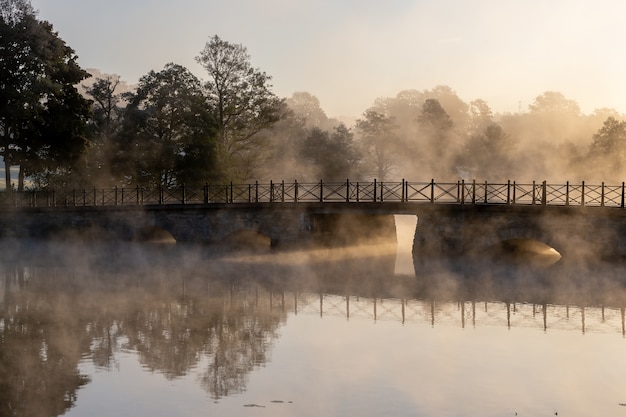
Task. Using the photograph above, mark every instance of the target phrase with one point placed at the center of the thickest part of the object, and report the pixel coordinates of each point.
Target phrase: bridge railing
(460, 192)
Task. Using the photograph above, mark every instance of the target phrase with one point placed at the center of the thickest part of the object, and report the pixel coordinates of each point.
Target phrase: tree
(487, 155)
(331, 154)
(106, 121)
(243, 102)
(435, 127)
(553, 101)
(607, 153)
(480, 114)
(41, 114)
(307, 106)
(379, 143)
(168, 133)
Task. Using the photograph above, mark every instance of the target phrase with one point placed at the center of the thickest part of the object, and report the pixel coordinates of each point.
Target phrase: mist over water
(110, 328)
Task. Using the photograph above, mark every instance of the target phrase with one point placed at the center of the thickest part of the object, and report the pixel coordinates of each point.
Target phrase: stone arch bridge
(453, 218)
(442, 229)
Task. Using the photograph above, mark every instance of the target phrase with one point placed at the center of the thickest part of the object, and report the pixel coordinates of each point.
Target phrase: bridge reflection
(180, 309)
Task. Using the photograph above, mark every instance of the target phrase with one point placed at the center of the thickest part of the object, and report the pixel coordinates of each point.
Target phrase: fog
(435, 134)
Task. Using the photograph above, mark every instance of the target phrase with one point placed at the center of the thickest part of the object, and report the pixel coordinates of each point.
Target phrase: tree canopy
(243, 102)
(42, 117)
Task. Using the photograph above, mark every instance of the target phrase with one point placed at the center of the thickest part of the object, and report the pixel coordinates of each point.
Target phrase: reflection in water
(184, 311)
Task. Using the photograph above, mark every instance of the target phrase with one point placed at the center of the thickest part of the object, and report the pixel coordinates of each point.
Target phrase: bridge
(455, 218)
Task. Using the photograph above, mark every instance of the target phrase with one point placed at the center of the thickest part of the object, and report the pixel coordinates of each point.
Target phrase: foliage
(607, 152)
(332, 155)
(243, 102)
(488, 154)
(42, 117)
(168, 133)
(378, 142)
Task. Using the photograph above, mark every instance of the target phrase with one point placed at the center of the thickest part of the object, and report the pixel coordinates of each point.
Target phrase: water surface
(118, 329)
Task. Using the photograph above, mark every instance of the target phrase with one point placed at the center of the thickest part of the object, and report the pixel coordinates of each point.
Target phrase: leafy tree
(487, 155)
(106, 102)
(435, 129)
(553, 101)
(450, 101)
(243, 102)
(434, 117)
(481, 115)
(41, 114)
(379, 143)
(106, 121)
(168, 132)
(608, 149)
(332, 154)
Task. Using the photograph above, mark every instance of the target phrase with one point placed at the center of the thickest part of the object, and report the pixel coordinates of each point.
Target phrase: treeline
(63, 129)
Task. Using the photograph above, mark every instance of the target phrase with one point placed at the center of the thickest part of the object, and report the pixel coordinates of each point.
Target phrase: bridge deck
(457, 193)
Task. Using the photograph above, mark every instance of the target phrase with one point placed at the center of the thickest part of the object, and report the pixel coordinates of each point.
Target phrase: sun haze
(351, 52)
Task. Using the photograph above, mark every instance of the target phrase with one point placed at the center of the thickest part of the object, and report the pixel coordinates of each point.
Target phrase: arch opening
(154, 234)
(524, 251)
(246, 239)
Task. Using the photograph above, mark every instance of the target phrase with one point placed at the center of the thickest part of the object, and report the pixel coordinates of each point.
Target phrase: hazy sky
(349, 52)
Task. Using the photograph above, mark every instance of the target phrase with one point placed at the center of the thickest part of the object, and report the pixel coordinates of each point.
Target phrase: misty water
(112, 329)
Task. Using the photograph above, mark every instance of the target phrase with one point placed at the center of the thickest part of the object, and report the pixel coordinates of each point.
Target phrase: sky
(348, 53)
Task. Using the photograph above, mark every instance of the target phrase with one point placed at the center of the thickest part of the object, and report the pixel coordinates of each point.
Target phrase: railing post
(347, 190)
(321, 191)
(602, 197)
(95, 197)
(508, 192)
(295, 191)
(357, 191)
(462, 191)
(582, 194)
(402, 198)
(374, 190)
(249, 193)
(122, 195)
(137, 194)
(458, 192)
(282, 198)
(486, 193)
(514, 191)
(544, 194)
(567, 193)
(382, 190)
(474, 192)
(271, 191)
(256, 191)
(623, 196)
(534, 192)
(432, 190)
(115, 195)
(161, 194)
(231, 192)
(183, 192)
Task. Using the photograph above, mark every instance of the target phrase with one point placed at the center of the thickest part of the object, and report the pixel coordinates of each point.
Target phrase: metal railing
(460, 192)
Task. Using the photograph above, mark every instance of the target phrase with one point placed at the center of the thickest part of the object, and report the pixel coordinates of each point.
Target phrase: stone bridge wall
(573, 231)
(450, 230)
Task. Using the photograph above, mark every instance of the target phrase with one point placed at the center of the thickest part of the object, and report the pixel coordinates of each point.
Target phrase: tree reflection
(54, 315)
(40, 346)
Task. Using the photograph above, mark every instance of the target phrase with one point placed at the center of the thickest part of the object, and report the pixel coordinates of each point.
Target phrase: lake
(121, 329)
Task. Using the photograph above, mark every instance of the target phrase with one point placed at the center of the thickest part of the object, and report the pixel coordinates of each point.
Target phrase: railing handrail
(462, 192)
